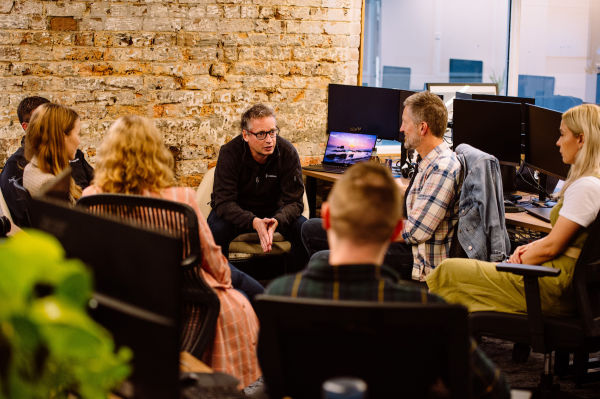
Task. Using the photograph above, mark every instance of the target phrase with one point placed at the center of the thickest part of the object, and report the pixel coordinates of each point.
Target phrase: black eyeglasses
(263, 135)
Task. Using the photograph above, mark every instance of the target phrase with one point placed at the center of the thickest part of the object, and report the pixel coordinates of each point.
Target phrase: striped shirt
(381, 284)
(432, 210)
(234, 348)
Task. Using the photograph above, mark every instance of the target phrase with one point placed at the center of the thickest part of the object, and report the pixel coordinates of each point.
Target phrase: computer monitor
(137, 289)
(448, 91)
(362, 109)
(504, 99)
(491, 126)
(541, 152)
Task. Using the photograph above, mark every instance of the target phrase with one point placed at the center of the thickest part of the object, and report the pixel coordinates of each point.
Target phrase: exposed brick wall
(193, 65)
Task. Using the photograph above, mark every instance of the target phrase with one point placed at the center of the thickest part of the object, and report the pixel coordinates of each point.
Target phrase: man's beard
(412, 143)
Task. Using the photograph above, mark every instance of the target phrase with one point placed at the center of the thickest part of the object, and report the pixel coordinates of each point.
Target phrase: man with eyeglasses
(258, 187)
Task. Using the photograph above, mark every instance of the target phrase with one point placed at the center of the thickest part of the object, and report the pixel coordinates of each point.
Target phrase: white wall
(425, 34)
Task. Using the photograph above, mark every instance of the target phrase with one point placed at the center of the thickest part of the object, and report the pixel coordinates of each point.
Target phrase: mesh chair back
(201, 304)
(586, 281)
(303, 342)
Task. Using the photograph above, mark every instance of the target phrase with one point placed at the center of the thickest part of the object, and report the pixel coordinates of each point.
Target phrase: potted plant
(49, 346)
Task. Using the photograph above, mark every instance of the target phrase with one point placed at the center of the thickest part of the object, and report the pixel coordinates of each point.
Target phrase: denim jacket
(481, 225)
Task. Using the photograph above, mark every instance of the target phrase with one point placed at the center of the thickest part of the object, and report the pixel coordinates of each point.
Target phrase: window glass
(556, 52)
(409, 43)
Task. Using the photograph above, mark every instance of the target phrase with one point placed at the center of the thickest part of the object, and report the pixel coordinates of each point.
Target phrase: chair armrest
(531, 274)
(527, 270)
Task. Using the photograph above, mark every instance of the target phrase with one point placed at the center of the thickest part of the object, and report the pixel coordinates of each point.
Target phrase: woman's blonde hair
(133, 158)
(584, 120)
(45, 139)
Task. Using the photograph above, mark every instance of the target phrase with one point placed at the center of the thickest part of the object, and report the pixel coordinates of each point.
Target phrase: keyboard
(327, 168)
(539, 212)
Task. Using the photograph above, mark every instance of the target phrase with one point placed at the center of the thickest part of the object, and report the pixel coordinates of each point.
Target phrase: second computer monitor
(362, 109)
(493, 127)
(504, 99)
(541, 151)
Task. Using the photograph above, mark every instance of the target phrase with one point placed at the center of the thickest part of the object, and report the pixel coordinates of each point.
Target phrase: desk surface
(520, 219)
(523, 219)
(326, 176)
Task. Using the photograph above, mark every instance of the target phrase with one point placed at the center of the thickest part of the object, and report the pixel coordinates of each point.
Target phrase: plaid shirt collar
(433, 154)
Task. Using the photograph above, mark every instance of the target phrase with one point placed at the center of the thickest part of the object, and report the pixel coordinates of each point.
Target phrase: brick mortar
(194, 75)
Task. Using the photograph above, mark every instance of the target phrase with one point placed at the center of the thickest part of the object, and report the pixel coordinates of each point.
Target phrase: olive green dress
(477, 285)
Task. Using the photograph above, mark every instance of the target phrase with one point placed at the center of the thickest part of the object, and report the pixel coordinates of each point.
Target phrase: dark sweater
(245, 189)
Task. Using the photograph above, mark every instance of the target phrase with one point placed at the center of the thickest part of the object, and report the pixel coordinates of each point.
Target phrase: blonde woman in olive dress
(477, 284)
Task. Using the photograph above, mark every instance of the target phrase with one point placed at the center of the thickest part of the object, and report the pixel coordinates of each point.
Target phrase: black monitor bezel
(516, 159)
(560, 175)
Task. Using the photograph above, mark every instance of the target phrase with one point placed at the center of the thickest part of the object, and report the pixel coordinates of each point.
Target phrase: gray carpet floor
(527, 375)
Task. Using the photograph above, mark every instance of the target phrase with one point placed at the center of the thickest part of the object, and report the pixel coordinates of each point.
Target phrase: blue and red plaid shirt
(432, 209)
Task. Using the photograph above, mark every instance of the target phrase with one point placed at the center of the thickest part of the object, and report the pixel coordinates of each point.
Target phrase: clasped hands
(518, 253)
(265, 228)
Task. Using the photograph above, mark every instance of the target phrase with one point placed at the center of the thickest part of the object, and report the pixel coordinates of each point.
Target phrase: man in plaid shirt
(431, 203)
(362, 215)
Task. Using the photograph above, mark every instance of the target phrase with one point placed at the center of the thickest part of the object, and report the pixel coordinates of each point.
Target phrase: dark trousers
(246, 284)
(398, 256)
(224, 232)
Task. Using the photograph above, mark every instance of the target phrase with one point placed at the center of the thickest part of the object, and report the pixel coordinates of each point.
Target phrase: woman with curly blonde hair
(133, 159)
(51, 141)
(480, 287)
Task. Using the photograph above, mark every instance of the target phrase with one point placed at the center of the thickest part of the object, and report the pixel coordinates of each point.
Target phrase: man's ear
(398, 229)
(244, 135)
(24, 125)
(424, 128)
(325, 216)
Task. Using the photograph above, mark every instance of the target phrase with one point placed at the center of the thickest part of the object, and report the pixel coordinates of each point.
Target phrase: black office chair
(398, 349)
(201, 304)
(579, 334)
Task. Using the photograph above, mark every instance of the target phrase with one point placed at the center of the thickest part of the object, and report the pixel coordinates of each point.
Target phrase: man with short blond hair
(362, 215)
(431, 203)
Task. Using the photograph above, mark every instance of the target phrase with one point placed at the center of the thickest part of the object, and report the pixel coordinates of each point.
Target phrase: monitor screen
(543, 132)
(448, 91)
(349, 148)
(361, 109)
(493, 127)
(504, 99)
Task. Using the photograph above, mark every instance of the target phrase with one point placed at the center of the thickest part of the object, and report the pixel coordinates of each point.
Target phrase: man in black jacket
(12, 171)
(258, 186)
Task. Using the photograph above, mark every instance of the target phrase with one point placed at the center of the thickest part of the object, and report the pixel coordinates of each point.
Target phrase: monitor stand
(509, 177)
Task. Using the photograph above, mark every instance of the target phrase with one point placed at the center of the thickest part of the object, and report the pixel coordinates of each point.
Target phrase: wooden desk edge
(321, 175)
(523, 219)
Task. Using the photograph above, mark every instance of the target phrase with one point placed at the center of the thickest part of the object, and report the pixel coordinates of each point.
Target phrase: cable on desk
(522, 235)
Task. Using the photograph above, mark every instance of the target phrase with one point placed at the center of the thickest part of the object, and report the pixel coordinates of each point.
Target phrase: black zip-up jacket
(244, 189)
